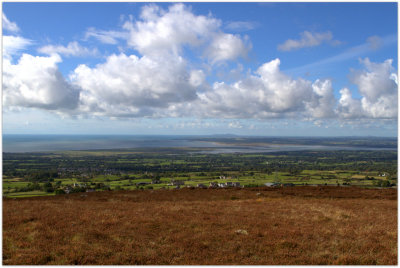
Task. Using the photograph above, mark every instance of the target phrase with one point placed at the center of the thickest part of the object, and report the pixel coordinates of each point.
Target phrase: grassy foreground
(294, 225)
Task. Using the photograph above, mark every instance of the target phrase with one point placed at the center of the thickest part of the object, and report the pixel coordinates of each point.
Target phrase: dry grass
(299, 225)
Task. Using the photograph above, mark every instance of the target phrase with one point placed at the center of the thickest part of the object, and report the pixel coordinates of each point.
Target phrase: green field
(34, 174)
(28, 194)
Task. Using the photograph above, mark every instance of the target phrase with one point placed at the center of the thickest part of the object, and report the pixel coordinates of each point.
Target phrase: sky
(262, 69)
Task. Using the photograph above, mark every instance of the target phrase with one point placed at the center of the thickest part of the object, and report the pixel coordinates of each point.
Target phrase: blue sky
(324, 69)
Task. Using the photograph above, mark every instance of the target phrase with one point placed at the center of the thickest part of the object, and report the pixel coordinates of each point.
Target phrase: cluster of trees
(47, 187)
(42, 176)
(58, 188)
(383, 183)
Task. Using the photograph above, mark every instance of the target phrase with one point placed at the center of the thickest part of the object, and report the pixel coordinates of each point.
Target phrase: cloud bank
(160, 81)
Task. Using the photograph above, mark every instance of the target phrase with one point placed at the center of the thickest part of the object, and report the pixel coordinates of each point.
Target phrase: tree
(60, 191)
(386, 183)
(78, 190)
(48, 187)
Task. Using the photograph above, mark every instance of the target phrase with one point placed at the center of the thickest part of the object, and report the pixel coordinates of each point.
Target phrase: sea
(13, 143)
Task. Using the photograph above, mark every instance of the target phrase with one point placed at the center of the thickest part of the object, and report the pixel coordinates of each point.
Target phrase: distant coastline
(14, 143)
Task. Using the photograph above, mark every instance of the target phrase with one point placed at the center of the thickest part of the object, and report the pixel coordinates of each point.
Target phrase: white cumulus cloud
(132, 86)
(377, 84)
(267, 94)
(168, 31)
(322, 102)
(36, 82)
(347, 106)
(162, 31)
(226, 47)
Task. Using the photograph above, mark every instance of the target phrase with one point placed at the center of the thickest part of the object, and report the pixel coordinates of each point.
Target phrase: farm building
(67, 189)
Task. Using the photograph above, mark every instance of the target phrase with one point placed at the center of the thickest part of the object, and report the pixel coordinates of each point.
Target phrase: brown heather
(298, 225)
